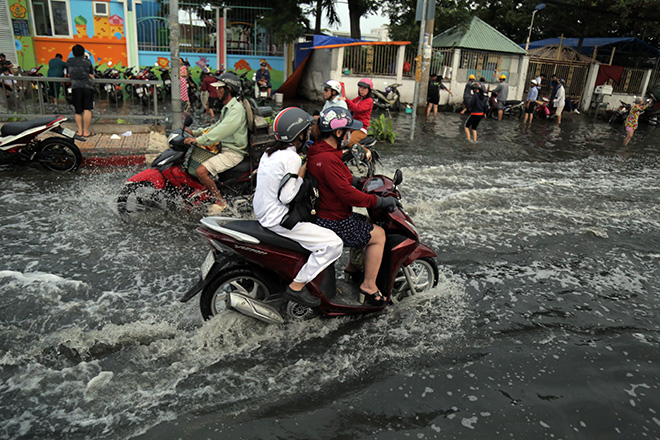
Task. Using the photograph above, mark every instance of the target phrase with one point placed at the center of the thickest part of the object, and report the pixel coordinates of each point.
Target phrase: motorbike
(171, 179)
(542, 109)
(165, 91)
(260, 91)
(361, 159)
(21, 142)
(248, 267)
(512, 108)
(39, 86)
(113, 91)
(387, 99)
(620, 114)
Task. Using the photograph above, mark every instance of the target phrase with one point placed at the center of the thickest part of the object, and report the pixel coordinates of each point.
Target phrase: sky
(366, 23)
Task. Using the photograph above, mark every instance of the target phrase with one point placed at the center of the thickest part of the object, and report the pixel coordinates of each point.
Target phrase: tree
(357, 9)
(331, 14)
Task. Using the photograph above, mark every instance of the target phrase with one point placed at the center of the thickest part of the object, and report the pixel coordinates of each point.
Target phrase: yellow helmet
(472, 77)
(502, 76)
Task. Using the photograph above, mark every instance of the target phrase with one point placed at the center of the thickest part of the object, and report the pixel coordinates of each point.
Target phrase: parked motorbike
(248, 267)
(260, 91)
(620, 114)
(39, 86)
(171, 180)
(247, 85)
(113, 91)
(21, 142)
(542, 109)
(387, 99)
(512, 108)
(165, 91)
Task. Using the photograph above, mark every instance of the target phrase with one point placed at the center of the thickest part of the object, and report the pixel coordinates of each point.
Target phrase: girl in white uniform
(291, 127)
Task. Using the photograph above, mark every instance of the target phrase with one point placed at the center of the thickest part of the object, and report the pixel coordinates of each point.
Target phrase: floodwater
(544, 324)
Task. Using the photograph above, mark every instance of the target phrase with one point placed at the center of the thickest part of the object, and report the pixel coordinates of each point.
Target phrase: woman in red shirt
(338, 196)
(362, 106)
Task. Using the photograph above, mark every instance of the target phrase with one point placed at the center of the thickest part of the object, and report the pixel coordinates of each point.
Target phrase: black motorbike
(388, 99)
(620, 114)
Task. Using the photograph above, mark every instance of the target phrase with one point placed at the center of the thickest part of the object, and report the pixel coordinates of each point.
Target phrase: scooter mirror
(187, 122)
(398, 177)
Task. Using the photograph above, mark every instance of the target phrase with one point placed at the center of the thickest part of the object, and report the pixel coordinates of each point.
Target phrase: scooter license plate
(207, 264)
(68, 132)
(263, 94)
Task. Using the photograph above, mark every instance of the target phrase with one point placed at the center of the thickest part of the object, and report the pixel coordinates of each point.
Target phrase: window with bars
(51, 18)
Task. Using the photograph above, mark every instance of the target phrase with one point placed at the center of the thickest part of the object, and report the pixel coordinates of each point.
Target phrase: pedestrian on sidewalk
(56, 68)
(212, 92)
(477, 108)
(81, 73)
(530, 104)
(433, 94)
(633, 118)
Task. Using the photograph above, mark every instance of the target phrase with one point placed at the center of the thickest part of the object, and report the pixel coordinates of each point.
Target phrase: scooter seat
(14, 128)
(253, 228)
(234, 174)
(512, 102)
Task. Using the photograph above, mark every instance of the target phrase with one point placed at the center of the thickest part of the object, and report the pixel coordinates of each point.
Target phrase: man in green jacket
(229, 134)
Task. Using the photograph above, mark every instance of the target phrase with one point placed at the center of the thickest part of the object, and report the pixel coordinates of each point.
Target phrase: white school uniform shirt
(268, 207)
(560, 98)
(335, 103)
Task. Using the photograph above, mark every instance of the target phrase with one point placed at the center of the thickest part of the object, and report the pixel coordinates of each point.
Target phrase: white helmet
(333, 85)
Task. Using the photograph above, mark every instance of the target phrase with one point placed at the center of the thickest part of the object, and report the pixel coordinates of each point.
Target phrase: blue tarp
(623, 45)
(305, 49)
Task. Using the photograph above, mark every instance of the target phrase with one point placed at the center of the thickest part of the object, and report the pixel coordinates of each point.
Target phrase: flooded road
(545, 322)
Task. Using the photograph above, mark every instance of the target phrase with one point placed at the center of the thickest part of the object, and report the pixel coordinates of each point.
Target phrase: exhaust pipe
(253, 308)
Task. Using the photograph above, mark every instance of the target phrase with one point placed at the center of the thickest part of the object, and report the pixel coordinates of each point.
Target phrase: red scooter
(249, 267)
(20, 142)
(171, 180)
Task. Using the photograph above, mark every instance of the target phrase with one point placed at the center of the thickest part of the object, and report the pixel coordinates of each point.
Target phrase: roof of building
(477, 35)
(556, 52)
(622, 45)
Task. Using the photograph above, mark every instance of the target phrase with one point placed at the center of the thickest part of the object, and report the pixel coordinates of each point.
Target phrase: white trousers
(325, 247)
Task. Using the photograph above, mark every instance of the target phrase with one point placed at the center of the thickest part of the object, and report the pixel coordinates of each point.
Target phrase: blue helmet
(335, 118)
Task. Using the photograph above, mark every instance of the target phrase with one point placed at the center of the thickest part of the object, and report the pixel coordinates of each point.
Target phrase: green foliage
(381, 129)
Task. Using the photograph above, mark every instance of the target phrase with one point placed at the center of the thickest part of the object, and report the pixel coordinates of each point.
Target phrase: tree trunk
(319, 14)
(355, 11)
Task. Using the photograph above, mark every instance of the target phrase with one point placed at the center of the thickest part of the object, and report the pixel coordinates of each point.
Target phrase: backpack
(303, 206)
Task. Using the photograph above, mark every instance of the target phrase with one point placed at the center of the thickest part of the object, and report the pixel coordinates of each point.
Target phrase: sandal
(375, 299)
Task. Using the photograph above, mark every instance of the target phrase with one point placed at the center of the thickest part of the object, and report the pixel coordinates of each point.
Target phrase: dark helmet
(476, 86)
(335, 118)
(229, 80)
(290, 122)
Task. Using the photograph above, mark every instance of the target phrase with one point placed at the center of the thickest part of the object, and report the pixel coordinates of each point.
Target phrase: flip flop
(88, 135)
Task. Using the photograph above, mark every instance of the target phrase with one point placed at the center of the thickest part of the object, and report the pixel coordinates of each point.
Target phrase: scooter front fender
(151, 175)
(420, 251)
(201, 284)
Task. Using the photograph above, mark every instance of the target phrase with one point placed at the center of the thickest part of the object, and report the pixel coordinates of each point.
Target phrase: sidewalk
(119, 144)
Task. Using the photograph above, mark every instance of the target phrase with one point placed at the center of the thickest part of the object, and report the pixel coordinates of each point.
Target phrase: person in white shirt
(279, 178)
(331, 94)
(560, 100)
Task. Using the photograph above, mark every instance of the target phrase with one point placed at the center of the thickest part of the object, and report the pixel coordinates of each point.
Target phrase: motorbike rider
(229, 136)
(331, 94)
(338, 196)
(279, 178)
(263, 76)
(362, 106)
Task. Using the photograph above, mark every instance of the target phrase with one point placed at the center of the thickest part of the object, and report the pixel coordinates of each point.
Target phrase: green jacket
(231, 129)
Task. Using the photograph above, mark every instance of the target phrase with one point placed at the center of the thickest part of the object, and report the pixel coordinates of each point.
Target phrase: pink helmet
(366, 82)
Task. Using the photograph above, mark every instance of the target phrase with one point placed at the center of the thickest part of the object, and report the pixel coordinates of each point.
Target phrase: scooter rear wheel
(240, 280)
(59, 154)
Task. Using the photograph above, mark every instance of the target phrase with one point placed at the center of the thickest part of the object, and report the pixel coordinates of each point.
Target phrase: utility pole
(423, 55)
(426, 62)
(175, 65)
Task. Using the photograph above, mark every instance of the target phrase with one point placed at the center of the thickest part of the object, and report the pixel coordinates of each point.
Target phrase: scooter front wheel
(138, 197)
(59, 154)
(424, 277)
(239, 280)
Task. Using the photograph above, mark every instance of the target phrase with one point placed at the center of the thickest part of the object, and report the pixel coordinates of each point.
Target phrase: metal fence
(28, 99)
(575, 76)
(440, 59)
(632, 81)
(371, 60)
(199, 28)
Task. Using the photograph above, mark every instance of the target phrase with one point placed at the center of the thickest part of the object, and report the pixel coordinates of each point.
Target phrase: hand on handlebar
(190, 140)
(390, 203)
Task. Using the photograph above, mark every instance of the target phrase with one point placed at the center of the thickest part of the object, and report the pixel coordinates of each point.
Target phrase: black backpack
(303, 206)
